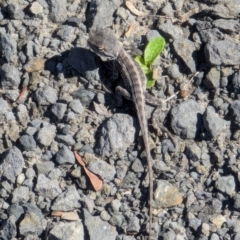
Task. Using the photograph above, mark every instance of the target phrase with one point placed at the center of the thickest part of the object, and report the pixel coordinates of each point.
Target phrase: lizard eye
(101, 49)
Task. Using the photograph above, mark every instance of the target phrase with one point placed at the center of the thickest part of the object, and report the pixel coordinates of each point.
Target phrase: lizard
(107, 47)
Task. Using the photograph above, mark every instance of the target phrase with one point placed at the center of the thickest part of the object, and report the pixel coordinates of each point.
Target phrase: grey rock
(20, 195)
(152, 34)
(227, 25)
(105, 216)
(236, 204)
(212, 79)
(170, 235)
(22, 114)
(30, 173)
(211, 35)
(58, 110)
(15, 210)
(137, 166)
(213, 123)
(214, 236)
(226, 184)
(27, 142)
(55, 173)
(8, 229)
(66, 33)
(116, 220)
(8, 47)
(217, 53)
(237, 236)
(12, 94)
(236, 81)
(170, 31)
(100, 167)
(85, 96)
(101, 13)
(46, 135)
(3, 106)
(10, 76)
(235, 107)
(193, 152)
(85, 63)
(76, 106)
(47, 188)
(194, 222)
(100, 230)
(44, 167)
(116, 135)
(31, 224)
(64, 155)
(67, 230)
(66, 139)
(58, 10)
(11, 164)
(186, 50)
(130, 181)
(133, 225)
(46, 95)
(186, 119)
(173, 71)
(167, 146)
(15, 10)
(67, 201)
(114, 207)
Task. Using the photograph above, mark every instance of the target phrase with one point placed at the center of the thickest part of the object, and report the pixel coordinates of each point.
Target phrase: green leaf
(140, 61)
(153, 49)
(150, 83)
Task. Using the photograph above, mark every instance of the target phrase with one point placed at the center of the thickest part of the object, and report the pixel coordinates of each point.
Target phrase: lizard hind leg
(158, 125)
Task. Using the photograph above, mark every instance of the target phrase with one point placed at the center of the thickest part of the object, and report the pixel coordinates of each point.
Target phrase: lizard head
(104, 44)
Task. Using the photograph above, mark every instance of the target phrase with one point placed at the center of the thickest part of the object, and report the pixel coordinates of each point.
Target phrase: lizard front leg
(122, 92)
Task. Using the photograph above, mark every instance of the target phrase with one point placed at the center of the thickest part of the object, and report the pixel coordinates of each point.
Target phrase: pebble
(46, 135)
(226, 184)
(166, 195)
(10, 76)
(12, 164)
(101, 229)
(67, 230)
(186, 119)
(64, 155)
(116, 135)
(47, 188)
(67, 201)
(213, 123)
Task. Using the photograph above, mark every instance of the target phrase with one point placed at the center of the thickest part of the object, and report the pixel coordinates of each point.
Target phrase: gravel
(52, 88)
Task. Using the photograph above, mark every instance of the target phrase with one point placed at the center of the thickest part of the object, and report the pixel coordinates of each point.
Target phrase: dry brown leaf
(101, 110)
(96, 182)
(22, 93)
(72, 216)
(57, 213)
(132, 8)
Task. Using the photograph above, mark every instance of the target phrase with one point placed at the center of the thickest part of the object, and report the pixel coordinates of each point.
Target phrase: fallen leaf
(22, 93)
(94, 179)
(72, 216)
(129, 30)
(57, 213)
(132, 8)
(101, 110)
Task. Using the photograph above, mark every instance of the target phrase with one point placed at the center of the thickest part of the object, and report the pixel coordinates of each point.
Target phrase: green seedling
(152, 50)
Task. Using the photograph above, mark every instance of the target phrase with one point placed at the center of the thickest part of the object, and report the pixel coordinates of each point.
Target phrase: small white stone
(36, 8)
(20, 178)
